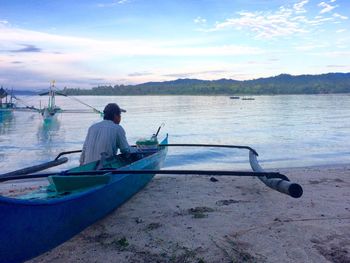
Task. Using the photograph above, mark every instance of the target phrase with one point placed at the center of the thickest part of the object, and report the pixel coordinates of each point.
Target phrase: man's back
(104, 136)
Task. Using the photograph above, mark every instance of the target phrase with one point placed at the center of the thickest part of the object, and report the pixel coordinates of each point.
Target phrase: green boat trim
(62, 184)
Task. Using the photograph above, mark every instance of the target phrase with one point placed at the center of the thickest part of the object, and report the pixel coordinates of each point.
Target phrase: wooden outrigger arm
(274, 180)
(279, 183)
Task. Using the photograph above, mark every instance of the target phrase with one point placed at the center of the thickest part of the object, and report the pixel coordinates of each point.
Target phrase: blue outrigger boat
(37, 222)
(32, 224)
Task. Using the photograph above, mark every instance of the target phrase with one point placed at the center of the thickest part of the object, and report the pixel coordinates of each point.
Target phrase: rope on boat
(24, 103)
(87, 105)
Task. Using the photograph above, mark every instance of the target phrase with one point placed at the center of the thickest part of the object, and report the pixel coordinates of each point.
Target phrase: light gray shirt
(104, 137)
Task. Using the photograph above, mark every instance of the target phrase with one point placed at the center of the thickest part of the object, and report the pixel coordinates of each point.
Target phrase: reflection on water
(6, 125)
(48, 131)
(49, 135)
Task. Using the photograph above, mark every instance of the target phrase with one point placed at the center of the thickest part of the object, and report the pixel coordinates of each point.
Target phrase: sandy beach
(236, 219)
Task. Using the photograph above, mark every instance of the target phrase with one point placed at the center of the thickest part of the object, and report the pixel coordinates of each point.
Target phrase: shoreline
(236, 219)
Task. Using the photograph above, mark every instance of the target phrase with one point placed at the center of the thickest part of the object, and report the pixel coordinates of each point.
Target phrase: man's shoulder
(119, 128)
(99, 125)
(108, 125)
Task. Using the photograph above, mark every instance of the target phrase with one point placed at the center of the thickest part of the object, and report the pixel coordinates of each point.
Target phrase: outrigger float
(34, 223)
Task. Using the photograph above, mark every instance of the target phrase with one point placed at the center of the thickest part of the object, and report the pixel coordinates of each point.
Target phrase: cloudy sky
(84, 43)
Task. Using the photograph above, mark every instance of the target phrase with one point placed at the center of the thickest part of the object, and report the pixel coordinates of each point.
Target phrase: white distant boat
(51, 110)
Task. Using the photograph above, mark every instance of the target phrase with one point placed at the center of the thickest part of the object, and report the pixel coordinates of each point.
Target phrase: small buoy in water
(213, 179)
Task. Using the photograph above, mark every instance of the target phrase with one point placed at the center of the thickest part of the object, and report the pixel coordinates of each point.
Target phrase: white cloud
(199, 20)
(4, 22)
(343, 43)
(341, 30)
(308, 47)
(337, 66)
(266, 24)
(326, 7)
(69, 57)
(319, 20)
(334, 54)
(299, 7)
(340, 16)
(114, 3)
(189, 74)
(86, 47)
(281, 23)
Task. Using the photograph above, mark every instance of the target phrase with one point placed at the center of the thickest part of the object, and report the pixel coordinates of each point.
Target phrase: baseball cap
(111, 109)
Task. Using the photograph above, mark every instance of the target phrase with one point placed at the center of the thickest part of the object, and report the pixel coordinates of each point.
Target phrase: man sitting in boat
(105, 137)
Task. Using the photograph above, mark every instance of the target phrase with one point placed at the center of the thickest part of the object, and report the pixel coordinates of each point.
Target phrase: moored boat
(36, 222)
(49, 111)
(7, 105)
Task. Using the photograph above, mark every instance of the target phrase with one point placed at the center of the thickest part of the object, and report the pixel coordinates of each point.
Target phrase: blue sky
(85, 43)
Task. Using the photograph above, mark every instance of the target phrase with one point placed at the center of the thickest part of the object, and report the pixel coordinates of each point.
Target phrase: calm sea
(286, 131)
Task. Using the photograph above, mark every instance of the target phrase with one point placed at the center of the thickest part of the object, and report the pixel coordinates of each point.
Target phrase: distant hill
(281, 84)
(24, 92)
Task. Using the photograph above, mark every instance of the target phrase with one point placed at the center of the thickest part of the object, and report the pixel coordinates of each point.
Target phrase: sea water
(286, 131)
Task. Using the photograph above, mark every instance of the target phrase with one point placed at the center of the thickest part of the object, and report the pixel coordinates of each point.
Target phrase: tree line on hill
(281, 84)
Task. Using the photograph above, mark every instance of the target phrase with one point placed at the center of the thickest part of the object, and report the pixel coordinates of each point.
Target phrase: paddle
(35, 168)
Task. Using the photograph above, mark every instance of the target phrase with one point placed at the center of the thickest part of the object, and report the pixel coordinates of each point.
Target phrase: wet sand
(192, 219)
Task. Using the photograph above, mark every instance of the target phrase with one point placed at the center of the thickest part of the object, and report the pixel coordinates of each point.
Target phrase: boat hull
(30, 228)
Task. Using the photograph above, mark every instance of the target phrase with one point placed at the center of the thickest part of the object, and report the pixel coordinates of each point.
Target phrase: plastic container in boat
(148, 144)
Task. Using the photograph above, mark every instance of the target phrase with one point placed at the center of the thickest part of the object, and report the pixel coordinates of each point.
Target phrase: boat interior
(61, 185)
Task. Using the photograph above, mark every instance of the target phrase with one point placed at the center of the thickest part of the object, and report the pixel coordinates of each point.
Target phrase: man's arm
(82, 156)
(122, 142)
